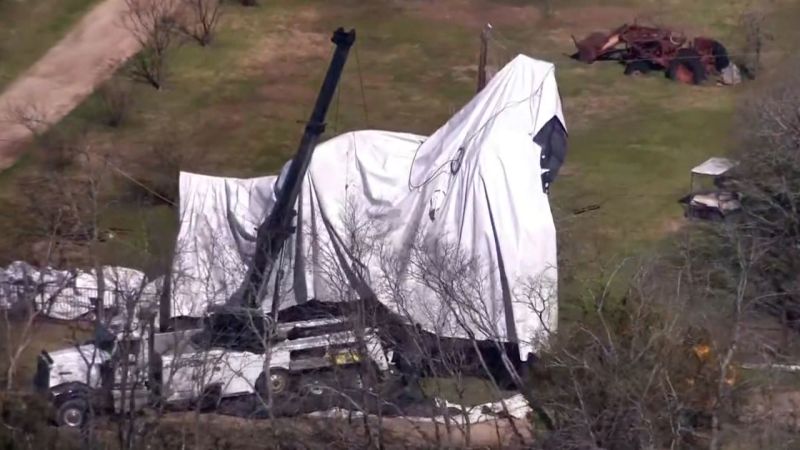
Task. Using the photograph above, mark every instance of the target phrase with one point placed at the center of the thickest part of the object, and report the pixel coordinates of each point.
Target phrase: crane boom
(277, 228)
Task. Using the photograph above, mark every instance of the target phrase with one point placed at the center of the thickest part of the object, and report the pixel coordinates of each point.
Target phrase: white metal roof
(714, 166)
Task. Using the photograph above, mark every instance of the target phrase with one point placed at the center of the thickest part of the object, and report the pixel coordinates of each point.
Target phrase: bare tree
(201, 20)
(374, 269)
(52, 220)
(116, 99)
(63, 208)
(25, 301)
(755, 37)
(153, 24)
(153, 172)
(57, 147)
(744, 267)
(768, 180)
(610, 379)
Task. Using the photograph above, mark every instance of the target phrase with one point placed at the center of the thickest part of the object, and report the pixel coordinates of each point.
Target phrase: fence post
(164, 304)
(96, 307)
(483, 57)
(153, 363)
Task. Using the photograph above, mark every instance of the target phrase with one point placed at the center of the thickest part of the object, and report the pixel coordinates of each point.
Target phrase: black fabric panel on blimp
(552, 138)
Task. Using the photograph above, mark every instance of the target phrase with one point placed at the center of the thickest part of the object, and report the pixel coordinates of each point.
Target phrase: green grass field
(237, 107)
(28, 28)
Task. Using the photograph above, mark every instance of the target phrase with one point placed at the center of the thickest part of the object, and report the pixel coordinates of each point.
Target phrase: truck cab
(85, 379)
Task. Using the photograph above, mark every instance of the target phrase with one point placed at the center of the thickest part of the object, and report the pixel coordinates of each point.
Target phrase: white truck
(95, 378)
(115, 374)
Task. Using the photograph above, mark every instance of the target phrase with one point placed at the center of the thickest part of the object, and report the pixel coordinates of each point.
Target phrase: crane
(276, 229)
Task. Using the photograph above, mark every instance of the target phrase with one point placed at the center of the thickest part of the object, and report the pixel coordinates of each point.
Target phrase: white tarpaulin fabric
(218, 219)
(472, 191)
(512, 407)
(68, 294)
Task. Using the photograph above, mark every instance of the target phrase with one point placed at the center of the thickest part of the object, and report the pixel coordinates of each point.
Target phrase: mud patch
(585, 109)
(569, 170)
(283, 56)
(288, 93)
(291, 38)
(290, 43)
(673, 226)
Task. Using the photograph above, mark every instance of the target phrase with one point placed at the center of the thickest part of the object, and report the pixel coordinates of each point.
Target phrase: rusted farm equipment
(644, 49)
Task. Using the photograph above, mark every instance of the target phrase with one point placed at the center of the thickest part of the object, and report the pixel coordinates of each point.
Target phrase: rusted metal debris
(643, 49)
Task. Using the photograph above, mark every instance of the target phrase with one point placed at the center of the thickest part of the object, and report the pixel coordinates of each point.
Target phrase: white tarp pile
(515, 407)
(475, 185)
(69, 294)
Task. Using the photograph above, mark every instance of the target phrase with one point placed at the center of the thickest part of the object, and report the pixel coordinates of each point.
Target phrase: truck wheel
(210, 399)
(73, 413)
(636, 68)
(313, 385)
(687, 61)
(279, 382)
(721, 59)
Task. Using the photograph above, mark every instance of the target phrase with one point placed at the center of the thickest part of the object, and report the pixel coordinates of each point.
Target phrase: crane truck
(242, 349)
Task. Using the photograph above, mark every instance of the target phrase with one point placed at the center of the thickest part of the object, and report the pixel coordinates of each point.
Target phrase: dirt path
(65, 75)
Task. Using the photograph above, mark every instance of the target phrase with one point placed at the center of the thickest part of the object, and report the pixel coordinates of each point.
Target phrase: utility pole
(485, 34)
